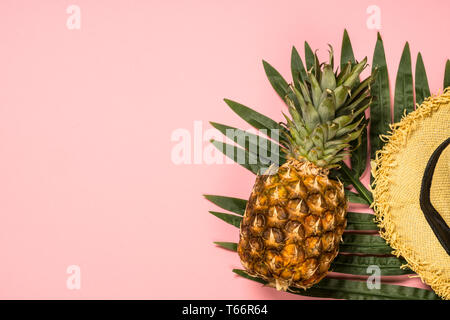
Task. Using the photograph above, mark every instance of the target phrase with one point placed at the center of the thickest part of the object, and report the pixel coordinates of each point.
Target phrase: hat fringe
(381, 168)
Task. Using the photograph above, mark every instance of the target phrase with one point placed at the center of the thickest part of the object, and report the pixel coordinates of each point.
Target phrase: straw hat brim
(398, 170)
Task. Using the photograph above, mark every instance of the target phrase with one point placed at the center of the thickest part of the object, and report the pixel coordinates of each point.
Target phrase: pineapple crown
(326, 109)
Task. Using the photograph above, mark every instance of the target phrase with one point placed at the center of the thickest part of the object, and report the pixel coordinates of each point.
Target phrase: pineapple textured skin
(292, 225)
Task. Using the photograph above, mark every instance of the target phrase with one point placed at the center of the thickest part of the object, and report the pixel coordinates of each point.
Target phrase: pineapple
(296, 214)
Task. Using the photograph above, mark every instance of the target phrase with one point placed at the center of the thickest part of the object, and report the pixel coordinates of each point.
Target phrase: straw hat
(412, 191)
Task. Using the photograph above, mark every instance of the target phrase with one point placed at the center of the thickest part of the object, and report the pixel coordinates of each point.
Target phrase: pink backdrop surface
(86, 119)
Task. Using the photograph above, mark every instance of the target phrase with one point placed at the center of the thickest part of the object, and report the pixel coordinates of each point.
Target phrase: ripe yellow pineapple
(296, 214)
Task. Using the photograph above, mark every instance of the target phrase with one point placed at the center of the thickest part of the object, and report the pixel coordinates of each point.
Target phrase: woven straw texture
(398, 170)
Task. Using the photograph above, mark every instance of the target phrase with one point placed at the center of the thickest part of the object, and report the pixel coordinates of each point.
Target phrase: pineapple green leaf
(251, 142)
(360, 188)
(316, 70)
(241, 156)
(331, 56)
(279, 84)
(364, 243)
(235, 205)
(380, 110)
(404, 92)
(228, 218)
(361, 221)
(346, 51)
(358, 265)
(351, 289)
(297, 69)
(354, 197)
(447, 74)
(363, 86)
(309, 57)
(421, 81)
(227, 245)
(315, 89)
(353, 78)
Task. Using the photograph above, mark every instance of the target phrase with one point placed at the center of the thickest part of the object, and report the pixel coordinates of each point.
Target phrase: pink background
(86, 117)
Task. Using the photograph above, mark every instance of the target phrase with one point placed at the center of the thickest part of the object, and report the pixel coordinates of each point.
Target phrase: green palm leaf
(380, 110)
(235, 205)
(279, 84)
(361, 221)
(251, 142)
(359, 155)
(404, 98)
(447, 74)
(358, 290)
(362, 190)
(228, 218)
(354, 197)
(338, 175)
(359, 265)
(364, 243)
(248, 160)
(421, 81)
(256, 119)
(227, 245)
